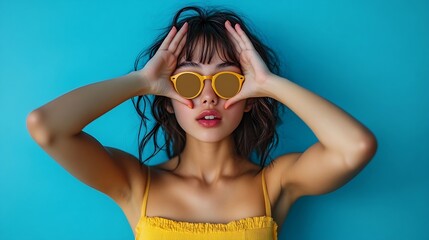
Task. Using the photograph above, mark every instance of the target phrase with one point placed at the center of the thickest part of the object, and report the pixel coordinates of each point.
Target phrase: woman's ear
(249, 104)
(169, 107)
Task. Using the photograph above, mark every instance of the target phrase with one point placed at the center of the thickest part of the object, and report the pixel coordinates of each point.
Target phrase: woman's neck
(209, 161)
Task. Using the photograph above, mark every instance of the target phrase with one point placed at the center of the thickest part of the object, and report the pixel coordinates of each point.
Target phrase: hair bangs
(205, 39)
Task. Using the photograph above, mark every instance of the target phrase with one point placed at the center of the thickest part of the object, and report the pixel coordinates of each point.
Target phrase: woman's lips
(209, 122)
(209, 118)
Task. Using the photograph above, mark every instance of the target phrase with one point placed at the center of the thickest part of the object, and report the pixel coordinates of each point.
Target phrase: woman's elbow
(38, 129)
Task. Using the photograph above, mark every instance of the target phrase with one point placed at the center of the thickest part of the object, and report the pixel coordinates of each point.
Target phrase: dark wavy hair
(255, 134)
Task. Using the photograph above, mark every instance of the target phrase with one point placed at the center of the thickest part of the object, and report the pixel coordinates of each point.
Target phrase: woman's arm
(345, 146)
(57, 126)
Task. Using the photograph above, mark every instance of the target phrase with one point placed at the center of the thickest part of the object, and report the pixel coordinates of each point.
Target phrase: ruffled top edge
(233, 226)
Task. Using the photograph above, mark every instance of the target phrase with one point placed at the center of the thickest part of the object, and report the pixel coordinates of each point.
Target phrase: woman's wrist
(272, 85)
(142, 84)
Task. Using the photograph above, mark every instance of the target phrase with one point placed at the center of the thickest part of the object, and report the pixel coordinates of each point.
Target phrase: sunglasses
(190, 84)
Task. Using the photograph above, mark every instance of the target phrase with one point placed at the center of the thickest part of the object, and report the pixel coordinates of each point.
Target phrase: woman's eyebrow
(194, 64)
(226, 64)
(187, 64)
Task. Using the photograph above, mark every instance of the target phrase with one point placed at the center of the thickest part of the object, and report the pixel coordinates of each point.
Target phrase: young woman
(217, 90)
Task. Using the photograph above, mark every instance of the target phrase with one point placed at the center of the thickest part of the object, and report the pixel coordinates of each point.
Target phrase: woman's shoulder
(132, 164)
(168, 165)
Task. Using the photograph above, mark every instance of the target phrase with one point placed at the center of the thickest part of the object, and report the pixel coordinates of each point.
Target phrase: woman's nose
(208, 95)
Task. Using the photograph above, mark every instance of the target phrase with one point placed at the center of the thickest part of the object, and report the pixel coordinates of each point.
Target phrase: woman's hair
(256, 133)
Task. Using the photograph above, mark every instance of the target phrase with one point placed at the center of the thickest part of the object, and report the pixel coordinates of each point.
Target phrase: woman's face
(198, 122)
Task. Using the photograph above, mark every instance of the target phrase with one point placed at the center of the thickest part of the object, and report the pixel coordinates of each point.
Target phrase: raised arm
(57, 126)
(345, 146)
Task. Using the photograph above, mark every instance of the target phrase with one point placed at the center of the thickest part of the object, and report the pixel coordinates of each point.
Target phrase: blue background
(370, 57)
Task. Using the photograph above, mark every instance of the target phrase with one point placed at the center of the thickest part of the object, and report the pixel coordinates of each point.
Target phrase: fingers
(178, 38)
(182, 100)
(173, 38)
(235, 38)
(235, 43)
(244, 37)
(167, 40)
(233, 100)
(239, 36)
(180, 47)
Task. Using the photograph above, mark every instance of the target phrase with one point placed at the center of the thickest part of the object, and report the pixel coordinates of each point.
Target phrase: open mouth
(209, 118)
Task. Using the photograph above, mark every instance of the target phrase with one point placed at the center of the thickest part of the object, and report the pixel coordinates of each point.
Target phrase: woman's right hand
(157, 71)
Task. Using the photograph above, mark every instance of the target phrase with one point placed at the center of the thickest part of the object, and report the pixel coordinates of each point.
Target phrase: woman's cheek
(182, 112)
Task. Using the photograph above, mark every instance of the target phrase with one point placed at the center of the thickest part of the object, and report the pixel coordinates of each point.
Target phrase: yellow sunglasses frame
(208, 77)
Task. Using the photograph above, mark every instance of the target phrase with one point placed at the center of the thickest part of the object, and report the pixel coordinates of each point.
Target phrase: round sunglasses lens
(227, 85)
(188, 85)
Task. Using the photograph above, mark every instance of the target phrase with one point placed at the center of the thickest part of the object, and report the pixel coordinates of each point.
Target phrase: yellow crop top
(251, 228)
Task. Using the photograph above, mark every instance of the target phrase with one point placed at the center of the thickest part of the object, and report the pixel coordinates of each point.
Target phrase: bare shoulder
(136, 171)
(286, 160)
(127, 160)
(317, 170)
(276, 172)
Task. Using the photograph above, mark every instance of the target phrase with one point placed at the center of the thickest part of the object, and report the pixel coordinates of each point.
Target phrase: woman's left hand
(255, 71)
